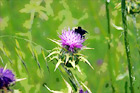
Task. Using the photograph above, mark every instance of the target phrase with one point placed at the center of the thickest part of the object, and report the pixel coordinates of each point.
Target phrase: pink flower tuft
(71, 39)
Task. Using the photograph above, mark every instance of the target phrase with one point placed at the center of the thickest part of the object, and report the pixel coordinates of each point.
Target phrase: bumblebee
(81, 31)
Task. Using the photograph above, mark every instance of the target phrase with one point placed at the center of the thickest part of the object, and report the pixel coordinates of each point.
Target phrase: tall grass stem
(127, 47)
(109, 45)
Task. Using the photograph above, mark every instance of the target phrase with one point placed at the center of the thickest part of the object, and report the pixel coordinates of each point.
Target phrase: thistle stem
(127, 48)
(109, 47)
(73, 79)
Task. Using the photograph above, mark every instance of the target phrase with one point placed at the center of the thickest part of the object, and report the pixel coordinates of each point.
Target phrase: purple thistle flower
(6, 77)
(71, 40)
(81, 91)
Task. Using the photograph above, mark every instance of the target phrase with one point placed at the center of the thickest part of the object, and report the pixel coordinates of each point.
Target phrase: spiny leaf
(72, 63)
(86, 48)
(57, 48)
(68, 86)
(58, 63)
(58, 43)
(52, 90)
(78, 68)
(89, 91)
(78, 54)
(52, 53)
(73, 82)
(54, 57)
(85, 60)
(72, 79)
(67, 57)
(17, 80)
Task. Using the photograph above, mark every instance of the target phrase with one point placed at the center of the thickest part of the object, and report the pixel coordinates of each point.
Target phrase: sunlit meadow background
(21, 28)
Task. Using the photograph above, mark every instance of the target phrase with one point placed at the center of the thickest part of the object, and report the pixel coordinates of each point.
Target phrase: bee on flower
(71, 40)
(68, 52)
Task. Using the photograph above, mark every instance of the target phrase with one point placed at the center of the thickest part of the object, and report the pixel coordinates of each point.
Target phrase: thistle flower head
(6, 77)
(71, 40)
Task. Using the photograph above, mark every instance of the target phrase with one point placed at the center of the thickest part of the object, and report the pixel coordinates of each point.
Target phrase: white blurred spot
(108, 1)
(96, 30)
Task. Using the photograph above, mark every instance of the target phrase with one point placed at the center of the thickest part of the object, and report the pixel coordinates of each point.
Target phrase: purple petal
(71, 39)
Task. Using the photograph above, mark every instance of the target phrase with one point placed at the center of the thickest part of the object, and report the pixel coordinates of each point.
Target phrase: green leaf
(52, 53)
(52, 90)
(86, 48)
(17, 80)
(68, 86)
(78, 68)
(58, 63)
(67, 58)
(58, 43)
(72, 63)
(54, 57)
(85, 60)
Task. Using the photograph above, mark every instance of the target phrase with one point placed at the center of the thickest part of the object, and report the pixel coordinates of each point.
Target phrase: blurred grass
(90, 15)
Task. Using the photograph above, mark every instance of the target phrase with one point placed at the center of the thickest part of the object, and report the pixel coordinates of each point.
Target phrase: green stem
(136, 33)
(127, 48)
(27, 40)
(108, 23)
(72, 78)
(109, 47)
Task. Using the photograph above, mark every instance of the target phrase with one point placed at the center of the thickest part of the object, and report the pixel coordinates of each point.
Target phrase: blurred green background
(32, 22)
